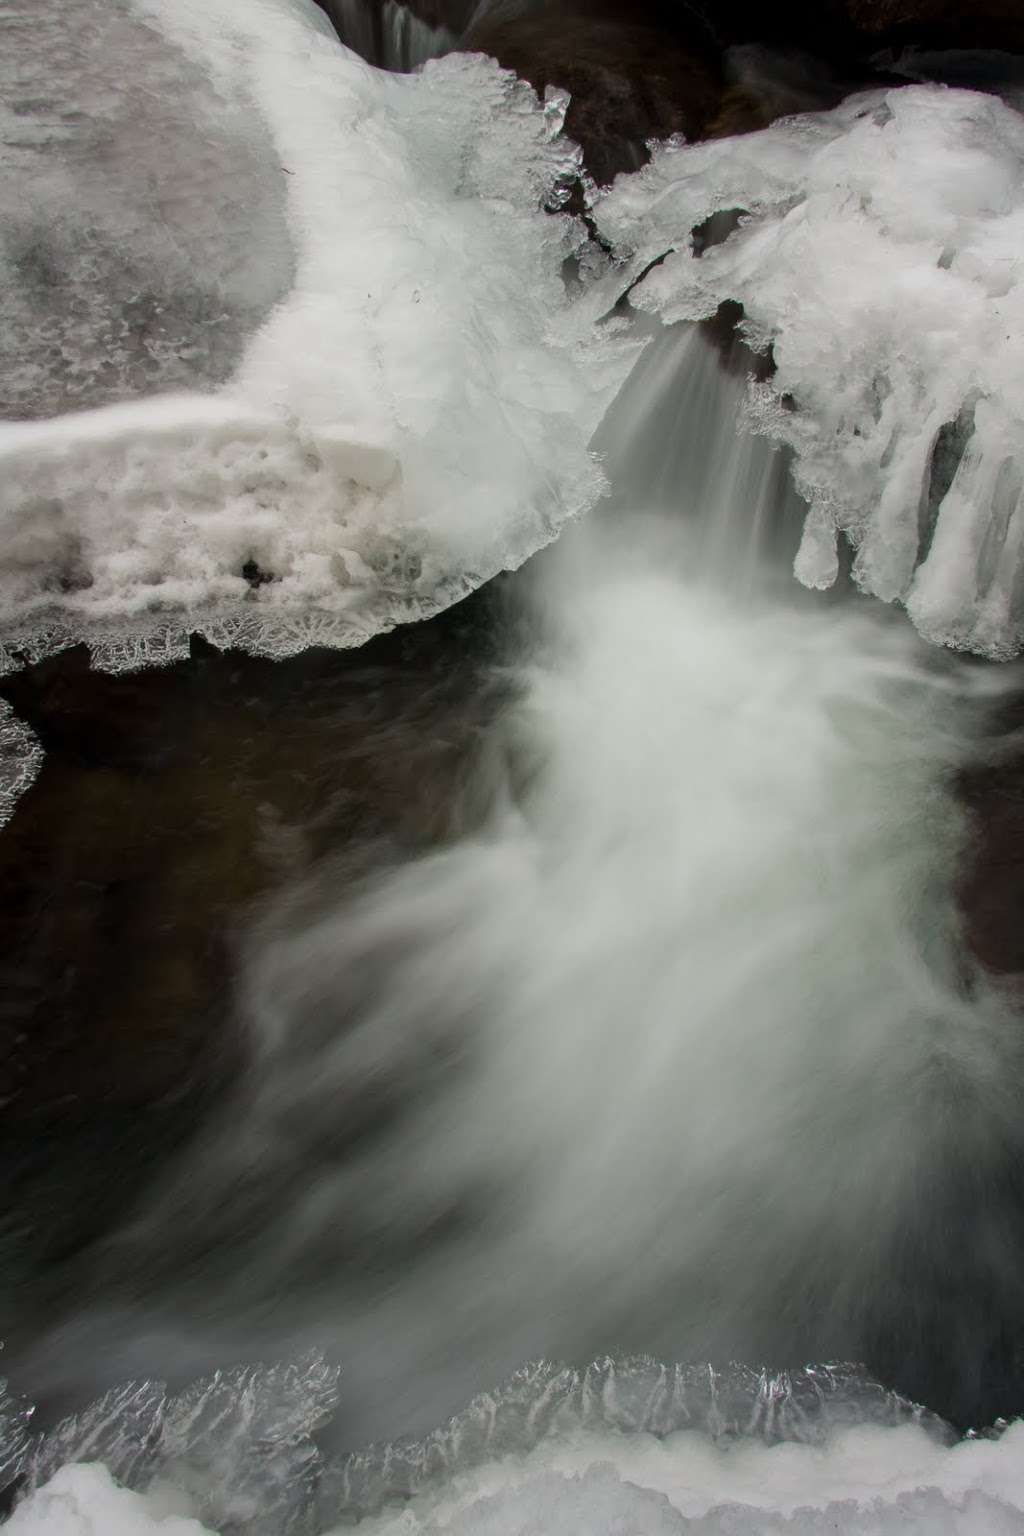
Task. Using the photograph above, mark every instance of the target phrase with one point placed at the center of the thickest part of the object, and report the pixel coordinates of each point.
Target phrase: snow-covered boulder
(270, 313)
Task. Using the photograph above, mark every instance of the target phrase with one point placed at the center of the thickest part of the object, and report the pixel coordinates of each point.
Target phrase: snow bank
(881, 256)
(315, 319)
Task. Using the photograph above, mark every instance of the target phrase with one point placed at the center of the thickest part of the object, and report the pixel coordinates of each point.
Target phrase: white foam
(412, 418)
(881, 257)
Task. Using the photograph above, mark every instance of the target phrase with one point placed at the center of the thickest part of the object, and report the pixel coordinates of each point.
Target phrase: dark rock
(169, 804)
(991, 887)
(630, 78)
(940, 23)
(639, 70)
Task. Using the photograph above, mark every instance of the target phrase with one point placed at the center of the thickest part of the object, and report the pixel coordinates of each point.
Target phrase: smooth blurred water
(671, 1046)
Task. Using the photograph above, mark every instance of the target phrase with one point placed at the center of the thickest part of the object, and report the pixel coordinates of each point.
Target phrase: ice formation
(21, 758)
(311, 318)
(289, 358)
(879, 253)
(628, 1445)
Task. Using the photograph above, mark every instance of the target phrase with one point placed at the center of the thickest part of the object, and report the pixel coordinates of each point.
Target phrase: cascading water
(408, 40)
(678, 1053)
(389, 35)
(668, 1047)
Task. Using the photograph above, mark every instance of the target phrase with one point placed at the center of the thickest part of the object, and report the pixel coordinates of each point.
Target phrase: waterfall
(687, 1009)
(390, 35)
(565, 1133)
(676, 1055)
(410, 41)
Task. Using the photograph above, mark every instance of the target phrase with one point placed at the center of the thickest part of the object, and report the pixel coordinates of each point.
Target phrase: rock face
(645, 69)
(169, 803)
(991, 888)
(630, 79)
(941, 23)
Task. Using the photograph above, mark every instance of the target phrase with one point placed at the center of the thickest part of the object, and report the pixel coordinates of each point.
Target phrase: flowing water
(525, 1042)
(670, 1049)
(391, 36)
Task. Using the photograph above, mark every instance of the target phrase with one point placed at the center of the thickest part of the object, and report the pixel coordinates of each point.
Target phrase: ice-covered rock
(298, 330)
(880, 256)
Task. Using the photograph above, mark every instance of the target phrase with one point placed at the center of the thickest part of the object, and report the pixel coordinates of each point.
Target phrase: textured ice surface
(881, 256)
(141, 240)
(238, 1445)
(633, 1447)
(411, 415)
(21, 758)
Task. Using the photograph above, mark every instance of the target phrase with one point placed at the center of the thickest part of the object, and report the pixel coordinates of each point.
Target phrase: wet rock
(631, 79)
(169, 803)
(991, 887)
(650, 68)
(762, 84)
(941, 23)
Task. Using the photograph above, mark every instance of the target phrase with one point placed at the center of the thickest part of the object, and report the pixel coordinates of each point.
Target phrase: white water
(879, 253)
(389, 35)
(687, 1021)
(678, 1053)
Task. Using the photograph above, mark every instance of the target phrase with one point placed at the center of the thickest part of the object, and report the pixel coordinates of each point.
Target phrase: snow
(85, 1501)
(869, 1481)
(264, 307)
(880, 256)
(400, 398)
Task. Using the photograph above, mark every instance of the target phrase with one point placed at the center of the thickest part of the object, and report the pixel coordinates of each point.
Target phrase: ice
(86, 1501)
(607, 1499)
(344, 354)
(641, 1400)
(15, 1434)
(879, 254)
(237, 1446)
(624, 1447)
(21, 758)
(241, 1444)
